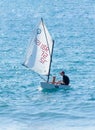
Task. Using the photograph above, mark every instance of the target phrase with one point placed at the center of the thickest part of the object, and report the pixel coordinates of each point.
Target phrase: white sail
(38, 55)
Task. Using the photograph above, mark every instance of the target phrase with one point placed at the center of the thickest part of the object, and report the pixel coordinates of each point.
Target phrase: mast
(50, 62)
(49, 50)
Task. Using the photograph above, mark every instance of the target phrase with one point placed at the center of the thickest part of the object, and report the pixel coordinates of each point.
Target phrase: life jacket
(66, 80)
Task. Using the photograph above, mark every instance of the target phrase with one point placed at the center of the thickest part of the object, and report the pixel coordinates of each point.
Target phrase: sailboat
(39, 55)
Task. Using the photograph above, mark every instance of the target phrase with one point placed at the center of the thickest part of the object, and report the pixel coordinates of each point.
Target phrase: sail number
(44, 51)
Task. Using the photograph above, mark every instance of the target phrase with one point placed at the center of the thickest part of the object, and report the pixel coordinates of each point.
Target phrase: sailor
(65, 79)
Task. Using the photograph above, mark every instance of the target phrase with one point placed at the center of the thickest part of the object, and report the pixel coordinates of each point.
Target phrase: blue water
(23, 106)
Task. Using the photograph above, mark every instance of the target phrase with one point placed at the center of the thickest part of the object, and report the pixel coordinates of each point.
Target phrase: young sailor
(65, 79)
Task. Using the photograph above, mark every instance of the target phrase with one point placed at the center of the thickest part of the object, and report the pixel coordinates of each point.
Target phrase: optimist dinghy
(46, 85)
(39, 55)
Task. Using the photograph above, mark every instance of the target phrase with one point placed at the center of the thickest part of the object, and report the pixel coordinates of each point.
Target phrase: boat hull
(46, 85)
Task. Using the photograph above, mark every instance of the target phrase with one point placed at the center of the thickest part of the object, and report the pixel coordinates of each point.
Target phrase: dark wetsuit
(66, 80)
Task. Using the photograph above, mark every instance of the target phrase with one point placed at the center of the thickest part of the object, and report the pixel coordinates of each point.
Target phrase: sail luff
(49, 50)
(45, 34)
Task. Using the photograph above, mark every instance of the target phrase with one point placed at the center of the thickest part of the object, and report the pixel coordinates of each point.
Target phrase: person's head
(62, 73)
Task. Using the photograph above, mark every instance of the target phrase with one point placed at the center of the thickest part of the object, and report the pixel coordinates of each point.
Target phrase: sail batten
(38, 57)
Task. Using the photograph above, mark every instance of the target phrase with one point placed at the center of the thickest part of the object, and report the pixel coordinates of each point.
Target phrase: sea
(23, 104)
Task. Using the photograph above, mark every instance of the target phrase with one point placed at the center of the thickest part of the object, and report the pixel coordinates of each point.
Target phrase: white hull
(46, 85)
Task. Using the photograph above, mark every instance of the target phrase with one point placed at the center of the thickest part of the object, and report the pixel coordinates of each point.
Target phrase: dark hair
(63, 72)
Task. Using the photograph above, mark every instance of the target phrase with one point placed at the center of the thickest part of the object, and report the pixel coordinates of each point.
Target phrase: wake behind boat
(39, 55)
